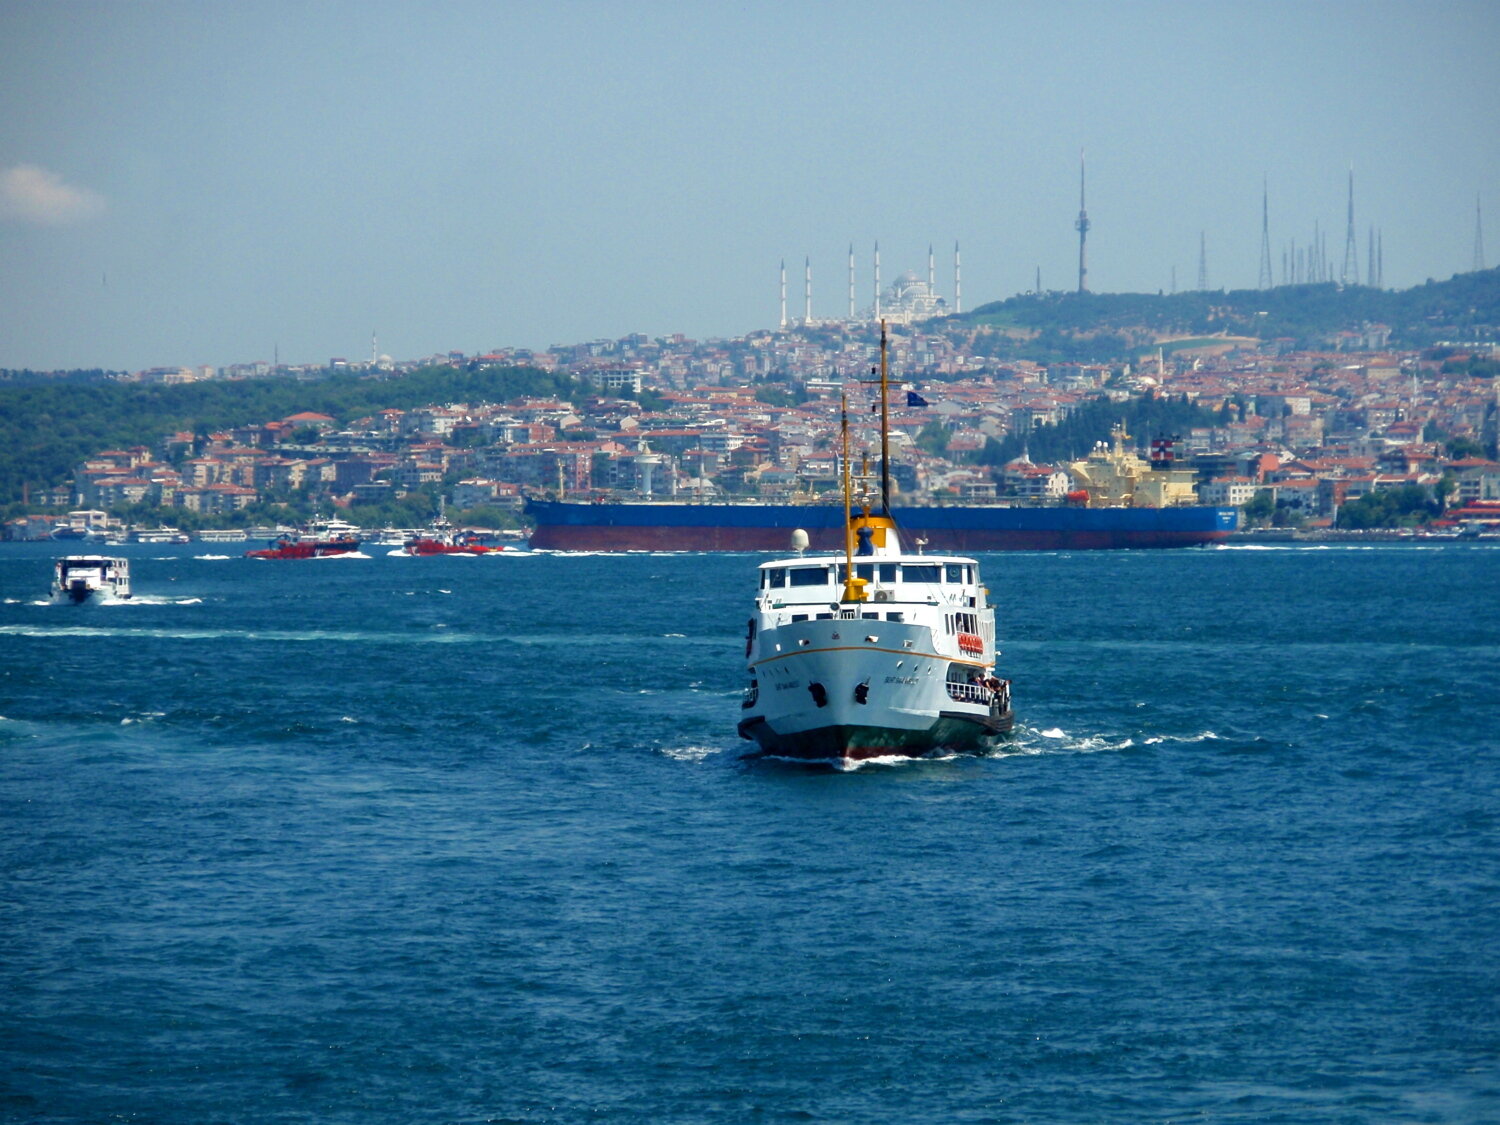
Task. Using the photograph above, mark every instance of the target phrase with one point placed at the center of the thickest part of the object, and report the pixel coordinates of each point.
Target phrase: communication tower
(1349, 275)
(1265, 237)
(1082, 226)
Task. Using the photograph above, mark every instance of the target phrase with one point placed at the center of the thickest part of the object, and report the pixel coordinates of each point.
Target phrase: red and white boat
(442, 539)
(331, 538)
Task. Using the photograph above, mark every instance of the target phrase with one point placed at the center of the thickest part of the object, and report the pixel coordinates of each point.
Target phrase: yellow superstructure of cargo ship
(1115, 476)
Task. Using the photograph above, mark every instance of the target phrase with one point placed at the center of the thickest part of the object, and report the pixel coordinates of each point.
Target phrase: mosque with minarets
(907, 300)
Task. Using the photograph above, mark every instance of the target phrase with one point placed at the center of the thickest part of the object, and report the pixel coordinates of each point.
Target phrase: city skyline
(193, 185)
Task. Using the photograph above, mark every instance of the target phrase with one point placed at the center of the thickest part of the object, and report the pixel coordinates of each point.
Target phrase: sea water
(377, 839)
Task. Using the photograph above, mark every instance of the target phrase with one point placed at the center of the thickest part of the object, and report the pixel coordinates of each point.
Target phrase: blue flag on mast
(914, 399)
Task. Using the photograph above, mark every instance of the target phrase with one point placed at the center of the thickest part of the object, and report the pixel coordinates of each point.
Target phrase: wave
(142, 717)
(212, 558)
(690, 753)
(1055, 740)
(152, 599)
(272, 636)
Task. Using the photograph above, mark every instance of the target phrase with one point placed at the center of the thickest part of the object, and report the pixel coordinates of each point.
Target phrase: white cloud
(34, 195)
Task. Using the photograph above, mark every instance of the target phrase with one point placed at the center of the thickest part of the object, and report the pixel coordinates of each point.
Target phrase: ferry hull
(564, 526)
(857, 743)
(850, 689)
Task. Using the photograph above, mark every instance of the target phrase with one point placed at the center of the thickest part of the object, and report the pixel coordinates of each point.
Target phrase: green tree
(933, 438)
(1260, 508)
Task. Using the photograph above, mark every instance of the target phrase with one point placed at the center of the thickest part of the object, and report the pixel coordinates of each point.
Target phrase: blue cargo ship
(666, 525)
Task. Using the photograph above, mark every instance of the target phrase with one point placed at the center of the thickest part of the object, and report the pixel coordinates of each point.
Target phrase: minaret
(958, 283)
(877, 280)
(783, 294)
(931, 271)
(1202, 261)
(1265, 236)
(1082, 226)
(807, 290)
(374, 349)
(1349, 274)
(1478, 237)
(851, 281)
(1038, 289)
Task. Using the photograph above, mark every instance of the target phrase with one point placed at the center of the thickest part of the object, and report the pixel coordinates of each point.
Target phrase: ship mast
(885, 433)
(851, 584)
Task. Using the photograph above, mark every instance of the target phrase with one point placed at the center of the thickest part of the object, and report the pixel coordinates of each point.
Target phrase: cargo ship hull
(668, 526)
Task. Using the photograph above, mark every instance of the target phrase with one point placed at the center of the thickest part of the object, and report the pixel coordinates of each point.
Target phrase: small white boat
(158, 535)
(88, 525)
(78, 578)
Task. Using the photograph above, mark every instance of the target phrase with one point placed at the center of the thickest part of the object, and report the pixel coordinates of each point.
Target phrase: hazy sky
(202, 183)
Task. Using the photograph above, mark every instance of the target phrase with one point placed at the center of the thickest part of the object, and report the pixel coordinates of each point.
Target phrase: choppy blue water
(469, 840)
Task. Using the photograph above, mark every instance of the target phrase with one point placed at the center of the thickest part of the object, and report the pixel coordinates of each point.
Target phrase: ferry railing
(968, 693)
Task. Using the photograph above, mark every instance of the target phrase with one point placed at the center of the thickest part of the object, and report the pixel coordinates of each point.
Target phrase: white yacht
(77, 578)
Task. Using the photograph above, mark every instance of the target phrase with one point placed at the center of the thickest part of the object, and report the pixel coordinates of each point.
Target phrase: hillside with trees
(46, 428)
(1145, 417)
(1464, 307)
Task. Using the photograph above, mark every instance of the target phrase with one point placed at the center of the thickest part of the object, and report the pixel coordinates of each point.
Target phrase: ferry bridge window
(921, 572)
(809, 576)
(955, 572)
(888, 572)
(776, 576)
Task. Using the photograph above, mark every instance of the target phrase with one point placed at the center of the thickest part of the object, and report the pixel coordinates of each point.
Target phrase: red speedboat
(445, 541)
(297, 547)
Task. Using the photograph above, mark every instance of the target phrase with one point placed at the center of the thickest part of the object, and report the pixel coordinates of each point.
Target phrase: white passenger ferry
(878, 653)
(78, 578)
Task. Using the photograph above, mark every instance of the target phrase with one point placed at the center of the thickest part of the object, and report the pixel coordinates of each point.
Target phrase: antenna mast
(1082, 226)
(1265, 237)
(1349, 275)
(885, 433)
